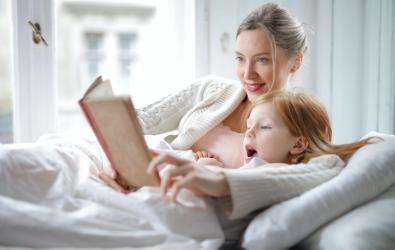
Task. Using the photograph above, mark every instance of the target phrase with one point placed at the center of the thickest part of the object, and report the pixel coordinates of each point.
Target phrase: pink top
(224, 143)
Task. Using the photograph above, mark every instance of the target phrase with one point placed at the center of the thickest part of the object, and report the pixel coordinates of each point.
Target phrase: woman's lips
(254, 87)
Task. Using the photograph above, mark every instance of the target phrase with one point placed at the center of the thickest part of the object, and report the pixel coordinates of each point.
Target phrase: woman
(269, 47)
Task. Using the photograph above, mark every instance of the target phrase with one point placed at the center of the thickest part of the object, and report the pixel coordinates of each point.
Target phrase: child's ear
(300, 145)
(297, 62)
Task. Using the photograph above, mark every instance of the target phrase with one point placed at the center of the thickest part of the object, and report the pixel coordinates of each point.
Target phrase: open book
(115, 124)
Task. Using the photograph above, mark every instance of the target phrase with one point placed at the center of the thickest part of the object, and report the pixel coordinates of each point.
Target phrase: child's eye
(265, 127)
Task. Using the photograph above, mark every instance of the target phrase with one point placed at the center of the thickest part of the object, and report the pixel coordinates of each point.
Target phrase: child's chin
(247, 160)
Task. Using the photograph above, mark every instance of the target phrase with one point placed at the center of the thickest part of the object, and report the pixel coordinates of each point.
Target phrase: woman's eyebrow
(258, 54)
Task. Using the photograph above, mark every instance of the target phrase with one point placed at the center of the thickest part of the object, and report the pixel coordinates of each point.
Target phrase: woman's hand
(186, 174)
(114, 180)
(111, 177)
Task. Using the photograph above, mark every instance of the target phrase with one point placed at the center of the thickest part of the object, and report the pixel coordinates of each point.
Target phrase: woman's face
(254, 63)
(267, 137)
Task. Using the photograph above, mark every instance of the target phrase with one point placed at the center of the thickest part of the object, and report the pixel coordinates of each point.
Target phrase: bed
(49, 198)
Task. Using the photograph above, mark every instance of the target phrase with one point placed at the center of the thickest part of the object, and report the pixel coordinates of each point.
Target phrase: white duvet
(49, 199)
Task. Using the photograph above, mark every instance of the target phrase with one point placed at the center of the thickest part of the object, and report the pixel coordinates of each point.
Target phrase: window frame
(34, 87)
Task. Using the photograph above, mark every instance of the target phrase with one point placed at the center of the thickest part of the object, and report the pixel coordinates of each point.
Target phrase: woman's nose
(249, 71)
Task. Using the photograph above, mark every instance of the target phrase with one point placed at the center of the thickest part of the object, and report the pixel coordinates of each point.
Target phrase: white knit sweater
(264, 186)
(194, 110)
(200, 107)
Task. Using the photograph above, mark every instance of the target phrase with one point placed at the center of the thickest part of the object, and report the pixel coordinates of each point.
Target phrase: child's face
(267, 137)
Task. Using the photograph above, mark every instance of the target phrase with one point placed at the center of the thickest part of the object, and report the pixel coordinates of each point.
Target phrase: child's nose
(250, 132)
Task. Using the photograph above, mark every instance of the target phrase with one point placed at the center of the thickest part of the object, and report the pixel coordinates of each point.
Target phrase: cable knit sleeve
(164, 115)
(264, 186)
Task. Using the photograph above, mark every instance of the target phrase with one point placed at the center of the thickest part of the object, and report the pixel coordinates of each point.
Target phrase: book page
(99, 89)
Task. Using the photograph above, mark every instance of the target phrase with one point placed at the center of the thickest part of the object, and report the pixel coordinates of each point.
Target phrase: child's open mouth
(250, 152)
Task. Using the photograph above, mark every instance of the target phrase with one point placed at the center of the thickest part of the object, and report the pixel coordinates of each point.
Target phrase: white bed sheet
(48, 199)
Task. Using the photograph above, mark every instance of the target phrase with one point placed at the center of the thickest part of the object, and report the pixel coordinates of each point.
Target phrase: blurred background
(150, 48)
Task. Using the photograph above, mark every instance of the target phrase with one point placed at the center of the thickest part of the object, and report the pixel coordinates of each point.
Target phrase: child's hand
(209, 162)
(206, 158)
(204, 154)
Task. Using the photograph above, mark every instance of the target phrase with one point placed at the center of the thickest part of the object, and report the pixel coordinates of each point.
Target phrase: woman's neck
(236, 120)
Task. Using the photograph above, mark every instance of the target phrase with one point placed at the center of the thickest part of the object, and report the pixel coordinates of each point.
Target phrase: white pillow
(370, 226)
(369, 172)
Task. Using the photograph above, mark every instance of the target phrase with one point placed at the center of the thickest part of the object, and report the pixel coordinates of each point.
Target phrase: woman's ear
(300, 146)
(297, 62)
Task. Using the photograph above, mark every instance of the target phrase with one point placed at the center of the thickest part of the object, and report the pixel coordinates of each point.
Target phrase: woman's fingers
(110, 172)
(111, 177)
(170, 176)
(167, 178)
(186, 182)
(154, 152)
(200, 154)
(186, 174)
(111, 182)
(164, 158)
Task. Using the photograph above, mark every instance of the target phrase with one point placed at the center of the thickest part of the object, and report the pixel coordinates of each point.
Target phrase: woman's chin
(253, 95)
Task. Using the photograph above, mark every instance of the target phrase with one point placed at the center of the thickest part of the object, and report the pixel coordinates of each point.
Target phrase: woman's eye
(239, 59)
(263, 60)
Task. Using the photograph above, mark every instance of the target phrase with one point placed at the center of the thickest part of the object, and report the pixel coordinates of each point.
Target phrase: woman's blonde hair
(305, 116)
(283, 29)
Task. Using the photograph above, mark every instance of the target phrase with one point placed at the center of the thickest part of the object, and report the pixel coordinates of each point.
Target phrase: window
(127, 54)
(93, 54)
(6, 110)
(97, 38)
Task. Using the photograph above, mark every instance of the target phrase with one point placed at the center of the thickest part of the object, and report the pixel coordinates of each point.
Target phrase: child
(289, 127)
